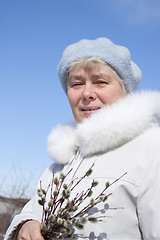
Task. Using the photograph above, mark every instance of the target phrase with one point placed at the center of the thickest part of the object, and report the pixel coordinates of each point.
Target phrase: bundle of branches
(62, 213)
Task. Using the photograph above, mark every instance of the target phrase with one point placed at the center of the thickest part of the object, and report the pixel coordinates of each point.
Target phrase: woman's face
(89, 89)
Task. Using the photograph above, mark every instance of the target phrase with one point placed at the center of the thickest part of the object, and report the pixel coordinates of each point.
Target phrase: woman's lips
(89, 110)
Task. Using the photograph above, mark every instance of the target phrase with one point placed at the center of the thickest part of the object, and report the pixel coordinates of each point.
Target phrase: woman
(117, 130)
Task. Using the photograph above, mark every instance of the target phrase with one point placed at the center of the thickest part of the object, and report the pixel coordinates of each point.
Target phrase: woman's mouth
(89, 110)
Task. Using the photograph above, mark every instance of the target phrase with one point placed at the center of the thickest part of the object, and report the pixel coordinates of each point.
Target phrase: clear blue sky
(33, 35)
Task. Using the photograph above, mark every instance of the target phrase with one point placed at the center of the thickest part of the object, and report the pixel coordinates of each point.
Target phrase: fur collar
(109, 128)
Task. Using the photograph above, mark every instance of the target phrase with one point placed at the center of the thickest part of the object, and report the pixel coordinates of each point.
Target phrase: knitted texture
(118, 57)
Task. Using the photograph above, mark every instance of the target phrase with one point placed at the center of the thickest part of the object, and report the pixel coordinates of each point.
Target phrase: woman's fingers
(30, 230)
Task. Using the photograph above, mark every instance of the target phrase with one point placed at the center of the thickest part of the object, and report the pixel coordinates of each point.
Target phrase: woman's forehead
(80, 73)
(96, 69)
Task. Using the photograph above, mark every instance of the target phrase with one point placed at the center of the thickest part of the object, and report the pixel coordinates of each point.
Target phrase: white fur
(62, 143)
(109, 128)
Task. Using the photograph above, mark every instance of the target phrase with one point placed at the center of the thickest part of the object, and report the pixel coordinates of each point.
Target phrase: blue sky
(34, 34)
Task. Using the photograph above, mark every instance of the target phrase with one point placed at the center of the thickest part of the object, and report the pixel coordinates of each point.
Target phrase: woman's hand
(30, 230)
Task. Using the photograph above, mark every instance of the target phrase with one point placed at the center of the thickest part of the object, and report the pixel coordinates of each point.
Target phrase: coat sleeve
(149, 200)
(32, 210)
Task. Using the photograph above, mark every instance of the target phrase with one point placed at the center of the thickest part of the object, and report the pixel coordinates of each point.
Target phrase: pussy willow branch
(64, 210)
(110, 184)
(82, 177)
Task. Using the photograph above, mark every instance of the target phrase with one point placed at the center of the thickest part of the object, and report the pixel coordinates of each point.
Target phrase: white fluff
(109, 128)
(62, 143)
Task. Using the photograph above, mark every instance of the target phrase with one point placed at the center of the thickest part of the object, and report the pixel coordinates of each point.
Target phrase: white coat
(123, 137)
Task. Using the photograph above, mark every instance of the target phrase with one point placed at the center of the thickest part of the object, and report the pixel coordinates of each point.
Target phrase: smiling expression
(89, 89)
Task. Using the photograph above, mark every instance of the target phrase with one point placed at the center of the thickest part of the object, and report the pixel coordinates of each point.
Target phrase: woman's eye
(102, 82)
(76, 84)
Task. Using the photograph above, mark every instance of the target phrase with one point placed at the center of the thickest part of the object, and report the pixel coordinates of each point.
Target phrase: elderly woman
(117, 130)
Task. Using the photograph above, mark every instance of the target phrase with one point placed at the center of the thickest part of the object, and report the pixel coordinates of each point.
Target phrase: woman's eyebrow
(75, 76)
(101, 75)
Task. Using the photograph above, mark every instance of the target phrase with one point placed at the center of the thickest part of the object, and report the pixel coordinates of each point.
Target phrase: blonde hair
(91, 62)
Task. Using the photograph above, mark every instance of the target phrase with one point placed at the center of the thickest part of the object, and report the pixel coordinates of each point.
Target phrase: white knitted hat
(118, 57)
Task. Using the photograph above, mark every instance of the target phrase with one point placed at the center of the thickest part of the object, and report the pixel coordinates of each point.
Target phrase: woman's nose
(89, 92)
